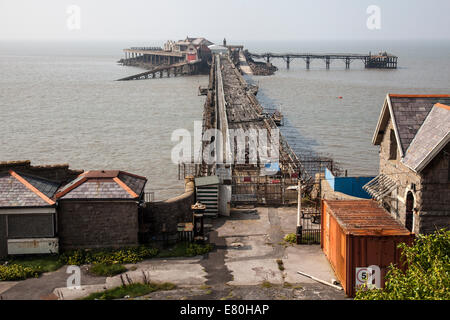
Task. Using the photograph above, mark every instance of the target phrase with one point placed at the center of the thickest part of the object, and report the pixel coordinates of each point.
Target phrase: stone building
(413, 184)
(100, 209)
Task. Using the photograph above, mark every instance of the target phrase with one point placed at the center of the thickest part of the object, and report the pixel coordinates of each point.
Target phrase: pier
(380, 61)
(231, 104)
(177, 69)
(151, 55)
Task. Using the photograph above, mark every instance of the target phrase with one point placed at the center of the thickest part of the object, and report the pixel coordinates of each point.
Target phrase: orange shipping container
(359, 234)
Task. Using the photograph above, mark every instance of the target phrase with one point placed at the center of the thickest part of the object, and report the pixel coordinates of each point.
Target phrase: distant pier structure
(383, 60)
(152, 55)
(174, 52)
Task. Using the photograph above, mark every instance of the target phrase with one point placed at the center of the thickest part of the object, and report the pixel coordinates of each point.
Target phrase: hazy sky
(233, 19)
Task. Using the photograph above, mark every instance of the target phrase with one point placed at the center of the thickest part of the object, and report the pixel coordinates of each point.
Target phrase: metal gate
(263, 190)
(310, 220)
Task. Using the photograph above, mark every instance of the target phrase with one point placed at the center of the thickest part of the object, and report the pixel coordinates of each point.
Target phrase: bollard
(299, 235)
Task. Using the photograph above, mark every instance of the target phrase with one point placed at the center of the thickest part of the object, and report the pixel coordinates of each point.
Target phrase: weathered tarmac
(250, 262)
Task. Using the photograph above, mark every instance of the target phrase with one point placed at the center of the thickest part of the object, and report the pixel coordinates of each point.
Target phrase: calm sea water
(59, 103)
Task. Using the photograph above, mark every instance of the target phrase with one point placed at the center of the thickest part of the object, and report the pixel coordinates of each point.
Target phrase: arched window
(409, 218)
(392, 146)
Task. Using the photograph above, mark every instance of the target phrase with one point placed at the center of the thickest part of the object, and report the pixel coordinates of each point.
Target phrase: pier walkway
(232, 107)
(380, 61)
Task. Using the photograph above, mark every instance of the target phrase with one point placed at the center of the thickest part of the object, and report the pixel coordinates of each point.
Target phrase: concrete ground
(250, 261)
(42, 288)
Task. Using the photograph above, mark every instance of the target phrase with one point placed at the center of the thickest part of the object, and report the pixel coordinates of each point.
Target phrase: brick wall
(88, 224)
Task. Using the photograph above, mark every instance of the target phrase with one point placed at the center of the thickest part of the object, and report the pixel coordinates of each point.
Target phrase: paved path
(248, 245)
(42, 287)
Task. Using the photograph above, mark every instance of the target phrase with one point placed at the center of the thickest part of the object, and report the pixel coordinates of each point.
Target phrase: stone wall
(431, 194)
(403, 176)
(59, 173)
(164, 216)
(435, 209)
(97, 224)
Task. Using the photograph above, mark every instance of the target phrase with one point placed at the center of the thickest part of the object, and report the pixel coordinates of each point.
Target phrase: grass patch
(291, 286)
(107, 270)
(280, 264)
(229, 296)
(131, 291)
(183, 249)
(39, 263)
(108, 256)
(205, 287)
(21, 268)
(266, 284)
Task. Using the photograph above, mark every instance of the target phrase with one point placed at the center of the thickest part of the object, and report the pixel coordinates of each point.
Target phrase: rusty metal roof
(365, 217)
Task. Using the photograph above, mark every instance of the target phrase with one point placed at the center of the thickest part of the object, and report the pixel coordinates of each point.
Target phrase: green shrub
(197, 249)
(291, 238)
(107, 270)
(108, 257)
(427, 276)
(13, 272)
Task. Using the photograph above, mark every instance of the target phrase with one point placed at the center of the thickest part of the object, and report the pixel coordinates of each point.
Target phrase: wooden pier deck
(245, 112)
(380, 61)
(176, 69)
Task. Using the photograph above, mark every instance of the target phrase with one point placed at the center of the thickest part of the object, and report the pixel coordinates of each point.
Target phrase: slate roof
(410, 111)
(20, 190)
(95, 185)
(432, 136)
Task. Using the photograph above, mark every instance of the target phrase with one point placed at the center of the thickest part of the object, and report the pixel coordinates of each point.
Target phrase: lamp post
(299, 209)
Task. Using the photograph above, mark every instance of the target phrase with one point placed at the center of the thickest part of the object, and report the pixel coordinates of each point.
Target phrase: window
(22, 226)
(392, 146)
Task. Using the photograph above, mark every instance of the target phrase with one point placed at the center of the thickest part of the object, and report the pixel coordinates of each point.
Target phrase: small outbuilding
(100, 209)
(358, 235)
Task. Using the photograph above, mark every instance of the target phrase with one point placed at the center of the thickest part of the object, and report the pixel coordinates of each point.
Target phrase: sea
(60, 103)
